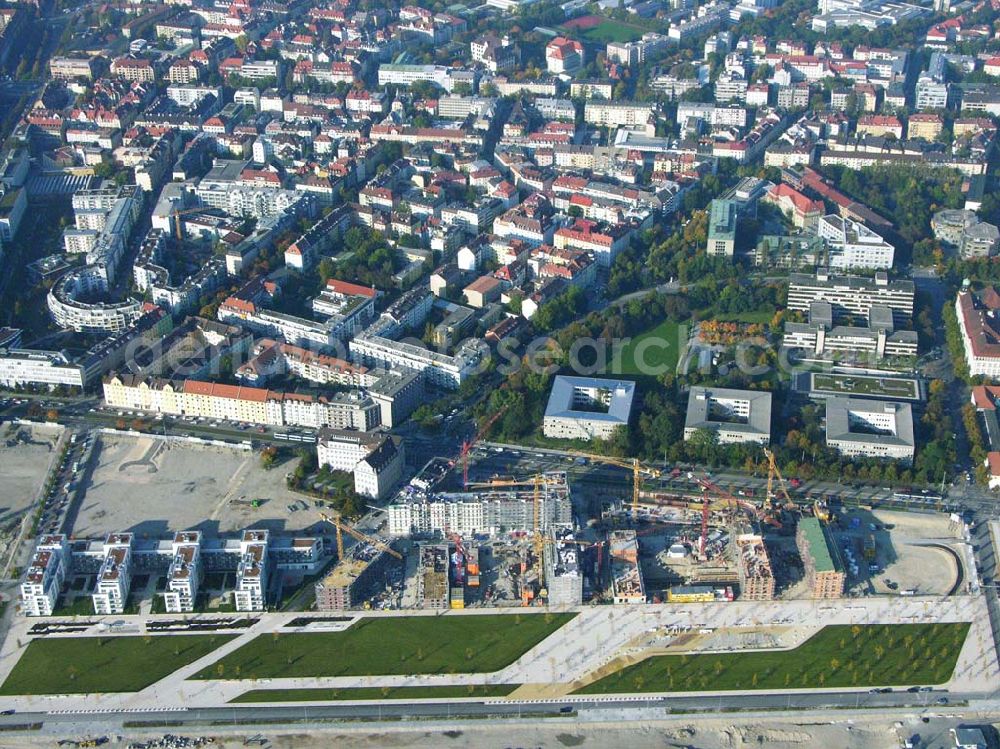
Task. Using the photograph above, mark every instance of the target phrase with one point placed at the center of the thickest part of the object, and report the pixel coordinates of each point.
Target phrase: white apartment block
(587, 408)
(441, 370)
(184, 575)
(115, 576)
(617, 114)
(45, 576)
(493, 511)
(251, 576)
(851, 244)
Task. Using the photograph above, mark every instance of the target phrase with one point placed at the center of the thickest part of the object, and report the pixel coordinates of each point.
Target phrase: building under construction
(753, 566)
(563, 571)
(626, 576)
(491, 510)
(820, 558)
(354, 579)
(432, 577)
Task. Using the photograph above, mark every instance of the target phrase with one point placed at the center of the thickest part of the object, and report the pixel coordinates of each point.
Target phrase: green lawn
(375, 693)
(396, 645)
(762, 318)
(609, 31)
(836, 656)
(656, 348)
(61, 665)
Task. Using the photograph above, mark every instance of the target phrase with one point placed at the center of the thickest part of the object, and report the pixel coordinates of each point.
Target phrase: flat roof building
(870, 428)
(820, 558)
(733, 415)
(722, 219)
(587, 408)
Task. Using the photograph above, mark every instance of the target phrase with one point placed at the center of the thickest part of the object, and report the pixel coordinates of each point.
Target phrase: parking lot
(155, 486)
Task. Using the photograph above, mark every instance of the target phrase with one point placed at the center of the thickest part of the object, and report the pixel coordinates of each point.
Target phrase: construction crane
(467, 445)
(772, 472)
(337, 523)
(632, 464)
(727, 500)
(178, 233)
(538, 542)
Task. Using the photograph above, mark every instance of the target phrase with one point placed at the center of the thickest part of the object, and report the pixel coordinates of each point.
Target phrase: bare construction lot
(154, 486)
(25, 455)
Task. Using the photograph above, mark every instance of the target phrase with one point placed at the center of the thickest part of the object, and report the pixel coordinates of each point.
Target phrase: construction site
(463, 534)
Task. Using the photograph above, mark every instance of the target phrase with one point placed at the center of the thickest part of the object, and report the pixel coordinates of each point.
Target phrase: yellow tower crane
(536, 482)
(340, 526)
(633, 464)
(774, 472)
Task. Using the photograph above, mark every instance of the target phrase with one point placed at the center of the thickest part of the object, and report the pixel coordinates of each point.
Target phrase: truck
(870, 547)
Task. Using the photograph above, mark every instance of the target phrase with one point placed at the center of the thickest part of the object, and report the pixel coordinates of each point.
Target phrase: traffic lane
(238, 714)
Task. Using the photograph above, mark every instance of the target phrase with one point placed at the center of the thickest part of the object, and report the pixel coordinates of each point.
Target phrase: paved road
(392, 710)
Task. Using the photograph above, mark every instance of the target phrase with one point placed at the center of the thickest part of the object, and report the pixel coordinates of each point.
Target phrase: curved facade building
(69, 310)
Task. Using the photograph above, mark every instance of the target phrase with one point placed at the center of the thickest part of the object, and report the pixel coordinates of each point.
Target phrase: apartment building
(820, 558)
(617, 114)
(604, 241)
(353, 580)
(753, 566)
(494, 510)
(71, 68)
(441, 370)
(50, 564)
(563, 55)
(962, 230)
(627, 585)
(198, 399)
(563, 572)
(184, 575)
(252, 573)
(115, 576)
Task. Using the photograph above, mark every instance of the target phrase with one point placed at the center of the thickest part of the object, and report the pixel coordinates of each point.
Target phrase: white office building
(870, 428)
(587, 408)
(733, 416)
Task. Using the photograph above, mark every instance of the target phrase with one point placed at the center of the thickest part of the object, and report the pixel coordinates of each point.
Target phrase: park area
(84, 665)
(653, 352)
(840, 656)
(376, 693)
(397, 645)
(600, 30)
